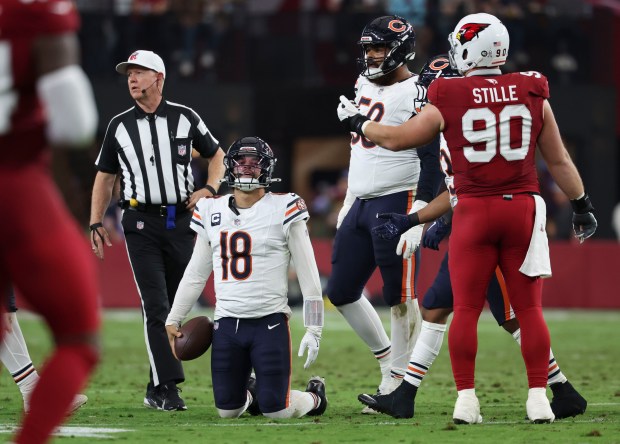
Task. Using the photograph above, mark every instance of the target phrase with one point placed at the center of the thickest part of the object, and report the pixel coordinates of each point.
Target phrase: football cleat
(398, 404)
(316, 385)
(538, 407)
(388, 385)
(164, 397)
(566, 402)
(467, 409)
(78, 401)
(253, 408)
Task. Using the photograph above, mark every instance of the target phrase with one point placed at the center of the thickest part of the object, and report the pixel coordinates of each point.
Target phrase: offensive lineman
(382, 181)
(247, 239)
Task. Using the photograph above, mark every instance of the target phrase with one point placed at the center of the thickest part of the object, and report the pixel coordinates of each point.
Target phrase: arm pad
(69, 103)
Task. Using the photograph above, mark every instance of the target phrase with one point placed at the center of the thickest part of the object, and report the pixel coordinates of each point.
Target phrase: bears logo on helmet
(437, 66)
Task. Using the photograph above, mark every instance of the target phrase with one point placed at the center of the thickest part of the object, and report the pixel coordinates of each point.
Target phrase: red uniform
(42, 250)
(492, 123)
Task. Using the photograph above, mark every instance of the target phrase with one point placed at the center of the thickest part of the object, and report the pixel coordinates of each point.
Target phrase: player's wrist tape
(582, 205)
(94, 226)
(210, 189)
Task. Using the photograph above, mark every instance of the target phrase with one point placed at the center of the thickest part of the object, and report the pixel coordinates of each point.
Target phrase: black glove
(396, 225)
(435, 234)
(584, 222)
(350, 116)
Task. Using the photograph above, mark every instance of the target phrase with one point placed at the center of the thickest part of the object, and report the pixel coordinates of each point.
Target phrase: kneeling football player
(247, 239)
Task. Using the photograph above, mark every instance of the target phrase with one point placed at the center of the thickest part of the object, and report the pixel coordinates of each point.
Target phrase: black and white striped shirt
(153, 152)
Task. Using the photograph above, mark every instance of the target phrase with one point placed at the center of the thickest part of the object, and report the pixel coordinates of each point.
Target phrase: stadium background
(275, 68)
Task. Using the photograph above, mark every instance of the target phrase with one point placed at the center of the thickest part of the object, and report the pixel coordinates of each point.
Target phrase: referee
(150, 147)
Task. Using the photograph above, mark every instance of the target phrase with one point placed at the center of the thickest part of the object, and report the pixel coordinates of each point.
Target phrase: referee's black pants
(158, 258)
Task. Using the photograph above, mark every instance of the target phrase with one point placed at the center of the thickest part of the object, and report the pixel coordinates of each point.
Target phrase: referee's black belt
(158, 209)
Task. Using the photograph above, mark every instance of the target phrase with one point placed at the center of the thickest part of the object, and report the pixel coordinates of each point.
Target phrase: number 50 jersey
(250, 252)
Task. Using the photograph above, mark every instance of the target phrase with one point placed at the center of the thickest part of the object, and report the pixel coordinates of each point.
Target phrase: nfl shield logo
(182, 150)
(140, 225)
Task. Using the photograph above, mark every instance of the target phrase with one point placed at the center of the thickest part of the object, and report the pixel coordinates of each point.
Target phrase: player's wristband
(582, 205)
(210, 189)
(414, 219)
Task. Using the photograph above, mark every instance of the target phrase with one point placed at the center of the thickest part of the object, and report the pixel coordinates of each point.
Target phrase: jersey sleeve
(202, 139)
(433, 91)
(295, 210)
(539, 86)
(200, 216)
(107, 161)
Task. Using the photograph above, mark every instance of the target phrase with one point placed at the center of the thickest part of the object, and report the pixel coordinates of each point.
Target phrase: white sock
(555, 374)
(301, 404)
(425, 352)
(15, 357)
(406, 320)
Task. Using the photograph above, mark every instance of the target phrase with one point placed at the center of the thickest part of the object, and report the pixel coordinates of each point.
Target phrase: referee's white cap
(146, 59)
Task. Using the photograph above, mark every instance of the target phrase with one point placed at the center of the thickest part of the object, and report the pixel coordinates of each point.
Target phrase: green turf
(585, 345)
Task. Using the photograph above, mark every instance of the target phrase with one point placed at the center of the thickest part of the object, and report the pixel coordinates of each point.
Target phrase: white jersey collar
(484, 72)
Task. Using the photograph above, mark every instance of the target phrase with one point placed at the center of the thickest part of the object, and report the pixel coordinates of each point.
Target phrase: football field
(586, 345)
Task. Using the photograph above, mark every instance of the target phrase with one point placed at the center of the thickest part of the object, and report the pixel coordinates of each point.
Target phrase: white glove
(349, 199)
(410, 240)
(310, 341)
(347, 108)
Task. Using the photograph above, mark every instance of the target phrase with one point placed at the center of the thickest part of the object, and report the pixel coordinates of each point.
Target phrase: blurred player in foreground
(46, 100)
(492, 124)
(15, 357)
(247, 239)
(438, 302)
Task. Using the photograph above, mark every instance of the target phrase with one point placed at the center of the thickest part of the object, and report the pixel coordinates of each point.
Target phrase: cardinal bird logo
(469, 31)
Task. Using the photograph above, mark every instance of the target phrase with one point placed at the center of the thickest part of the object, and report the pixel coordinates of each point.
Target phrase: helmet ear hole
(465, 55)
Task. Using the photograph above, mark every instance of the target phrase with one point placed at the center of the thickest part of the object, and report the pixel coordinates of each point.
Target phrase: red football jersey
(22, 120)
(492, 123)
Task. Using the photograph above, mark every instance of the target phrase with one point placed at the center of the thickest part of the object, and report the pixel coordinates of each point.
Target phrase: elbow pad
(69, 103)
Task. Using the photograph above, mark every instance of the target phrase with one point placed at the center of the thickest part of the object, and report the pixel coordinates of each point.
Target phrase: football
(196, 339)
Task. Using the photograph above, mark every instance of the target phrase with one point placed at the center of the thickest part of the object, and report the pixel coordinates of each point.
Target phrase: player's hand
(396, 225)
(584, 222)
(584, 225)
(173, 332)
(99, 236)
(350, 116)
(196, 196)
(409, 241)
(435, 234)
(310, 341)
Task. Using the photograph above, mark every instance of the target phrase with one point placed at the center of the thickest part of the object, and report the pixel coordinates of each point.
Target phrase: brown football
(196, 339)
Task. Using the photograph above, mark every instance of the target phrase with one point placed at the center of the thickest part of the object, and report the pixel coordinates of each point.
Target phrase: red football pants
(488, 232)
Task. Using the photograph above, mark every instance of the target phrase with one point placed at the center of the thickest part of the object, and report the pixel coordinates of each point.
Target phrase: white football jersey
(250, 252)
(446, 166)
(375, 171)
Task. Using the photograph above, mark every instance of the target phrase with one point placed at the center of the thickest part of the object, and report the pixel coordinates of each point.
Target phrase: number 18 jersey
(250, 252)
(492, 123)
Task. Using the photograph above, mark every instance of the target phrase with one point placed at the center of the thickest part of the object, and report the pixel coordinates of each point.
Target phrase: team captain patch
(301, 205)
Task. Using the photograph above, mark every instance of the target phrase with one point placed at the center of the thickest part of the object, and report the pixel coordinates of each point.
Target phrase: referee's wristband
(210, 189)
(94, 226)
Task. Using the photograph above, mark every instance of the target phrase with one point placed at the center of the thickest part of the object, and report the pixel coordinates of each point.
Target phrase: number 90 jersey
(250, 252)
(373, 170)
(492, 123)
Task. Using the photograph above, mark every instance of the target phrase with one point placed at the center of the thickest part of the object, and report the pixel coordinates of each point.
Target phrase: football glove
(584, 222)
(350, 116)
(310, 341)
(410, 239)
(435, 234)
(396, 225)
